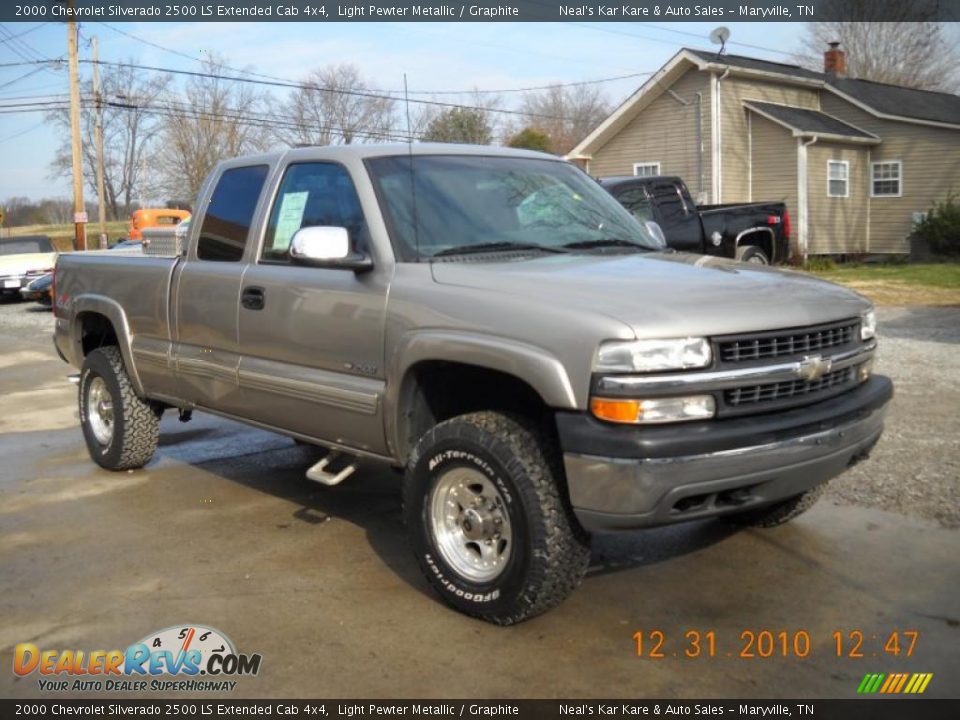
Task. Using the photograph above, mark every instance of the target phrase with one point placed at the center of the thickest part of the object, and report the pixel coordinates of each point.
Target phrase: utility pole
(98, 139)
(79, 209)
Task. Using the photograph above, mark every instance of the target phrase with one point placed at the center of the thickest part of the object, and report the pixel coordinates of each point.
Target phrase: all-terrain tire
(780, 513)
(135, 421)
(752, 254)
(548, 553)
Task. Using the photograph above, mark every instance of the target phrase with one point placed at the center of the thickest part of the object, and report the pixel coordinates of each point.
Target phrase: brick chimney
(835, 60)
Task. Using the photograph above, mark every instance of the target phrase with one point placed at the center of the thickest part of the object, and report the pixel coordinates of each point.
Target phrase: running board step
(319, 473)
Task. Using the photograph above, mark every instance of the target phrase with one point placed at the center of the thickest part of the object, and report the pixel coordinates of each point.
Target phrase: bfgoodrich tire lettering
(134, 424)
(518, 467)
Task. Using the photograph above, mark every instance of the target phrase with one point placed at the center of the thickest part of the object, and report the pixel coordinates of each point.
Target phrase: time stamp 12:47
(753, 644)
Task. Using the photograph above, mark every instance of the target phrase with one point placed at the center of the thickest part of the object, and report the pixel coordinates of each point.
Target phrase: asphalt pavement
(223, 529)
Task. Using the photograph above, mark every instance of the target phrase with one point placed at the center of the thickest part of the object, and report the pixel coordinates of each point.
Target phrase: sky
(434, 57)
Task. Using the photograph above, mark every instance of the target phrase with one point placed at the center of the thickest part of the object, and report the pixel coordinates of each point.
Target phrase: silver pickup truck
(496, 324)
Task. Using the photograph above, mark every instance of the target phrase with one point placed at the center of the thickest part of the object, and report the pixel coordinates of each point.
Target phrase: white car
(24, 259)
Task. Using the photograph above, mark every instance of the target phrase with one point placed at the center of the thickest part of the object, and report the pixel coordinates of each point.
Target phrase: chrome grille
(785, 343)
(790, 389)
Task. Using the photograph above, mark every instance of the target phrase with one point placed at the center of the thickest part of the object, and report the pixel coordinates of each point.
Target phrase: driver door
(313, 338)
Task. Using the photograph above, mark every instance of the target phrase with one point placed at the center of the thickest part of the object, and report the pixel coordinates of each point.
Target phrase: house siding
(775, 166)
(664, 132)
(930, 170)
(837, 225)
(734, 146)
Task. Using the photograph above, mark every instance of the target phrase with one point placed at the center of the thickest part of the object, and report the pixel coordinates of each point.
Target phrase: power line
(613, 31)
(729, 42)
(23, 132)
(318, 88)
(25, 32)
(595, 81)
(37, 87)
(22, 77)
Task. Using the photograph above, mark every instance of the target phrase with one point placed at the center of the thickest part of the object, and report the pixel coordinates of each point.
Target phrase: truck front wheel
(487, 520)
(120, 428)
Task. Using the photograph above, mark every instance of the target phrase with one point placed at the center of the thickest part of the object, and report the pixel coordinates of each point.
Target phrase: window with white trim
(838, 178)
(885, 178)
(646, 169)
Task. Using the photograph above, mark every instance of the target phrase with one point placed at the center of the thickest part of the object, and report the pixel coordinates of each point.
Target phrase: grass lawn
(62, 235)
(919, 284)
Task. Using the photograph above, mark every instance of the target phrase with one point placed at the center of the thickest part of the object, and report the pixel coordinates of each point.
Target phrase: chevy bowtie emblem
(813, 367)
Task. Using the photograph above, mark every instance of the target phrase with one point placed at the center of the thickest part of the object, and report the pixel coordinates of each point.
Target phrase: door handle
(253, 298)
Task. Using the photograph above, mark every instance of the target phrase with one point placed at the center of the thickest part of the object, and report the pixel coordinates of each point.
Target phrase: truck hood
(24, 263)
(663, 294)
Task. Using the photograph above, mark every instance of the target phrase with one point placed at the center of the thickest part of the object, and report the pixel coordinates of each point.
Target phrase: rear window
(226, 223)
(22, 246)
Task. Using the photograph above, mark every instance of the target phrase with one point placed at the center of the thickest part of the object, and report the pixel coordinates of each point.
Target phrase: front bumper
(625, 477)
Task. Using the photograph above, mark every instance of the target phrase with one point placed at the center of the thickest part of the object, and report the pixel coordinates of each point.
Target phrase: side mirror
(327, 246)
(654, 229)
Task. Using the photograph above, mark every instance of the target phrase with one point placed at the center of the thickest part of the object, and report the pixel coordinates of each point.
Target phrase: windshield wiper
(495, 246)
(604, 243)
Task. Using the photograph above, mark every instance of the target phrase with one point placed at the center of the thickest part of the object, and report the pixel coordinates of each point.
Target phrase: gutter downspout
(701, 190)
(802, 199)
(718, 138)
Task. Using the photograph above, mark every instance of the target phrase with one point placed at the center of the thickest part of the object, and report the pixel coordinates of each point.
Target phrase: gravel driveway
(915, 469)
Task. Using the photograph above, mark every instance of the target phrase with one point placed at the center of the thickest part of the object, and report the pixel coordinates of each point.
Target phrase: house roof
(749, 63)
(885, 101)
(901, 101)
(804, 121)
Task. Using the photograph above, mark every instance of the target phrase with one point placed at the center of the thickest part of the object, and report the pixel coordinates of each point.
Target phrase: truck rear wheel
(752, 254)
(120, 428)
(487, 520)
(780, 513)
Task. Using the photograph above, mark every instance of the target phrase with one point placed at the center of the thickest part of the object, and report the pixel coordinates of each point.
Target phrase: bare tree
(129, 129)
(215, 118)
(566, 114)
(883, 46)
(334, 106)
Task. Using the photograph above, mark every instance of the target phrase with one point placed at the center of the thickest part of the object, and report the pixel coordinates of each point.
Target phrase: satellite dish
(720, 36)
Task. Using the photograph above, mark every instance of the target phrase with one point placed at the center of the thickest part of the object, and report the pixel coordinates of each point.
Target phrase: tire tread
(140, 431)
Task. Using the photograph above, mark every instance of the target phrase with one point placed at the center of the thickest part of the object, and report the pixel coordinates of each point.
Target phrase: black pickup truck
(752, 232)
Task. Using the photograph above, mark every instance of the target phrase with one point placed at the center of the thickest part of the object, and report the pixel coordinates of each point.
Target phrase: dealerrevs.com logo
(186, 658)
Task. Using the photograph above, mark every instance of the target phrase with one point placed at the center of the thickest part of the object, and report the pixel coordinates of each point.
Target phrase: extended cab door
(206, 292)
(677, 215)
(313, 338)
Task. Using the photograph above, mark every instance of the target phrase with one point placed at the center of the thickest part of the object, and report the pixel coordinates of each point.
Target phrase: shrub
(941, 228)
(819, 263)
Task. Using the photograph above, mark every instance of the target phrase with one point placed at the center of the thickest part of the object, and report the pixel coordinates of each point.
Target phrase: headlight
(868, 325)
(652, 355)
(654, 411)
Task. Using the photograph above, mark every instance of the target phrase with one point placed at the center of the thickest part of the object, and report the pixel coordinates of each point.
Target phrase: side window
(226, 223)
(636, 201)
(313, 194)
(670, 202)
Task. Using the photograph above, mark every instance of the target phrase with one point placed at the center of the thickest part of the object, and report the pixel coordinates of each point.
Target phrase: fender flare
(110, 309)
(758, 229)
(538, 368)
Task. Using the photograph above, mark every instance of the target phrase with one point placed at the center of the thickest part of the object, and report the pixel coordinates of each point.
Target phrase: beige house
(857, 162)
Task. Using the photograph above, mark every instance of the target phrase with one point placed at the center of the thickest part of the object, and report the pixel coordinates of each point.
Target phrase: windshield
(441, 204)
(23, 246)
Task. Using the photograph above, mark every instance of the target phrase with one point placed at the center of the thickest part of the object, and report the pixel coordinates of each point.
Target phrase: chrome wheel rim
(757, 260)
(100, 411)
(471, 524)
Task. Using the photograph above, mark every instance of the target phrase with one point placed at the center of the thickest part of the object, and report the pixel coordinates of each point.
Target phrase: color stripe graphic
(894, 683)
